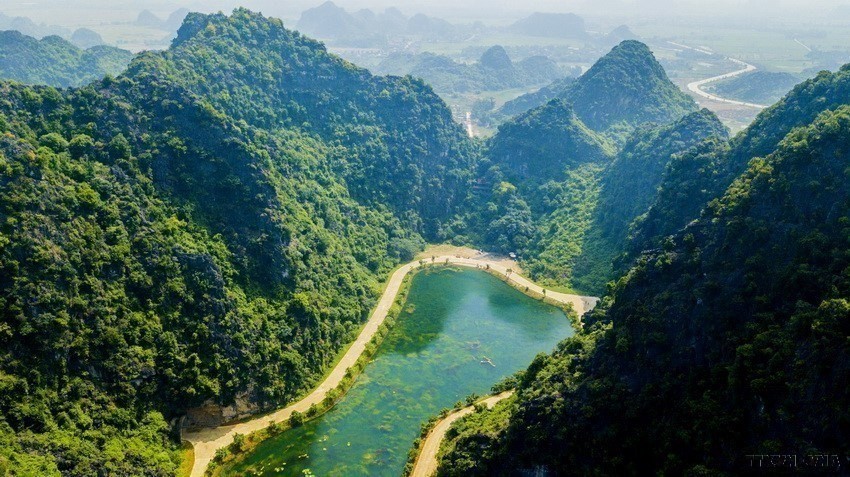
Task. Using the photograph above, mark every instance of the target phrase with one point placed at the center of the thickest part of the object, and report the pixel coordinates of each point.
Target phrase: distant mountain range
(147, 18)
(552, 25)
(54, 61)
(82, 37)
(494, 70)
(366, 28)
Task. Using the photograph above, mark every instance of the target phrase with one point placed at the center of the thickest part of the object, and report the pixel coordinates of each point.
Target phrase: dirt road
(426, 463)
(207, 441)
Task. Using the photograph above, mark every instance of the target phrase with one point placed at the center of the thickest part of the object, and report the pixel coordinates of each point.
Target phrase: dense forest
(207, 228)
(54, 61)
(193, 239)
(569, 177)
(728, 338)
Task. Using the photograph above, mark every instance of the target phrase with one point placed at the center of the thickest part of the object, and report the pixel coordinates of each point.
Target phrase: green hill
(625, 88)
(56, 62)
(208, 227)
(526, 161)
(699, 176)
(728, 339)
(622, 90)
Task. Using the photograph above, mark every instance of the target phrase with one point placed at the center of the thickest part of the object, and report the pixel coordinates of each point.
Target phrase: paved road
(426, 463)
(696, 86)
(207, 441)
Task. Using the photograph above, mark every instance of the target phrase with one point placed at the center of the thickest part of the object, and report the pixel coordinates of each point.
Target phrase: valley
(459, 333)
(207, 441)
(241, 253)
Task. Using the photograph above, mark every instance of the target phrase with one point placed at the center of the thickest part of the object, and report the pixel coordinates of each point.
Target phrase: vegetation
(209, 226)
(529, 101)
(494, 71)
(226, 458)
(528, 162)
(56, 62)
(760, 87)
(626, 88)
(561, 195)
(729, 338)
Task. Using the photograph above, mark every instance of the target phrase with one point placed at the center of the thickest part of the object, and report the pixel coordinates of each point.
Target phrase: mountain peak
(625, 88)
(496, 58)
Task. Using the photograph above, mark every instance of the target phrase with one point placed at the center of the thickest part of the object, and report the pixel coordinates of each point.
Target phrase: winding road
(207, 441)
(696, 86)
(426, 463)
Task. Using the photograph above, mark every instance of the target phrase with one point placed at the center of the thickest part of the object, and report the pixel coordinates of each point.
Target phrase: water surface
(460, 333)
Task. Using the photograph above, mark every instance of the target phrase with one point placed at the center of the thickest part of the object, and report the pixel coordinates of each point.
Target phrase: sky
(79, 12)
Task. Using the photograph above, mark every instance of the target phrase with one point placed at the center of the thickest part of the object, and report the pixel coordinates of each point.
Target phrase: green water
(430, 360)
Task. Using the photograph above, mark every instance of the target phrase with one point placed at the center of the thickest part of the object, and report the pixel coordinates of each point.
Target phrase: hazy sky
(76, 12)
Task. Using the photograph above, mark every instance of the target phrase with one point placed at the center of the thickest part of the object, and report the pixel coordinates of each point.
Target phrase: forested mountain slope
(624, 89)
(729, 339)
(625, 190)
(207, 228)
(573, 203)
(695, 178)
(521, 175)
(53, 61)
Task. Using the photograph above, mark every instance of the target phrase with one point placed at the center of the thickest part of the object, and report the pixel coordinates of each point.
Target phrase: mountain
(618, 35)
(697, 177)
(553, 25)
(56, 62)
(30, 28)
(587, 164)
(630, 186)
(540, 144)
(533, 166)
(494, 71)
(85, 38)
(204, 231)
(537, 98)
(625, 88)
(148, 19)
(366, 28)
(329, 21)
(727, 340)
(760, 87)
(589, 226)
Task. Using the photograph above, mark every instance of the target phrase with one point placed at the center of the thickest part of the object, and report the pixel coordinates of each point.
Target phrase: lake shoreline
(209, 442)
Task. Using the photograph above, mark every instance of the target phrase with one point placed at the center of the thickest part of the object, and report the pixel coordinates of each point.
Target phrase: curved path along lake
(461, 331)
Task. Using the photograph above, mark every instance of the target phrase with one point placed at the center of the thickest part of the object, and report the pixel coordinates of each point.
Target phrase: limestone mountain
(728, 339)
(622, 90)
(206, 228)
(54, 61)
(626, 88)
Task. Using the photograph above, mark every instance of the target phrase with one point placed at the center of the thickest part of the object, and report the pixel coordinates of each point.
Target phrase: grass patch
(187, 459)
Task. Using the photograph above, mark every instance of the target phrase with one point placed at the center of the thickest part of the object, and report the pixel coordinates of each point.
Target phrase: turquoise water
(437, 354)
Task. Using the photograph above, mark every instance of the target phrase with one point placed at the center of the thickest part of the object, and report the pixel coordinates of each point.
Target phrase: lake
(461, 331)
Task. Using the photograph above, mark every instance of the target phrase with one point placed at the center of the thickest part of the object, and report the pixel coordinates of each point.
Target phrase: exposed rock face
(212, 414)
